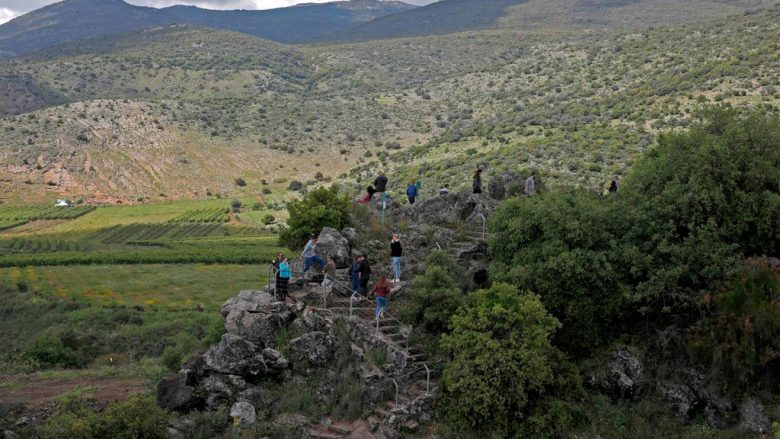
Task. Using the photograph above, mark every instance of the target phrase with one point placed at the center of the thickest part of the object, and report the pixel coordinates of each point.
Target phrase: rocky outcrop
(314, 349)
(624, 373)
(455, 209)
(174, 392)
(234, 355)
(332, 243)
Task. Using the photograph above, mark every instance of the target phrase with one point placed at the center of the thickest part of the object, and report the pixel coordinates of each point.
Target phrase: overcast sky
(11, 8)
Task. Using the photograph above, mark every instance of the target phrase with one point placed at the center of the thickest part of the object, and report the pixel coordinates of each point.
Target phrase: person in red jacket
(381, 290)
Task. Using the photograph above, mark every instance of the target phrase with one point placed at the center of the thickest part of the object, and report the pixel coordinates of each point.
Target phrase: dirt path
(35, 390)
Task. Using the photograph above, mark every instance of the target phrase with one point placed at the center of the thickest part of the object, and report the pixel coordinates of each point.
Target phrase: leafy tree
(320, 208)
(436, 295)
(703, 199)
(565, 248)
(502, 360)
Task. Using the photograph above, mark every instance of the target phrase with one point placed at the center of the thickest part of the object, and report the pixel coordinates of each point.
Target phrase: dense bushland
(687, 214)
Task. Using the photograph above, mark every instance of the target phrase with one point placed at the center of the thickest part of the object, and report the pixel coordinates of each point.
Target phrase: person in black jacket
(364, 273)
(477, 184)
(396, 251)
(380, 183)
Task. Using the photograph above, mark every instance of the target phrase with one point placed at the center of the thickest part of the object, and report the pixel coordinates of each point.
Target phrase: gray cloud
(10, 8)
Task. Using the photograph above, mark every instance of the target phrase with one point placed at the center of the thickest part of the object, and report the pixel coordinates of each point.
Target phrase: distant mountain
(552, 17)
(72, 20)
(443, 17)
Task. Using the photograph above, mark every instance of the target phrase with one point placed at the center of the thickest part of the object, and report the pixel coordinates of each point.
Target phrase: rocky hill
(438, 106)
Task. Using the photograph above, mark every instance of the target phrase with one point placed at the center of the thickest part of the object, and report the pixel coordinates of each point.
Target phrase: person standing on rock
(310, 255)
(330, 277)
(283, 279)
(396, 251)
(411, 193)
(364, 272)
(530, 185)
(477, 183)
(380, 291)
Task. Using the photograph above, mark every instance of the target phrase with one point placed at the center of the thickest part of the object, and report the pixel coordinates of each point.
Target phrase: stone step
(319, 432)
(382, 413)
(340, 428)
(418, 357)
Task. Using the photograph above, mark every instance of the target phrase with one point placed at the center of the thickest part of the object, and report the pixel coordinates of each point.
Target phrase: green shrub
(269, 219)
(139, 417)
(563, 247)
(502, 360)
(435, 295)
(50, 351)
(702, 200)
(320, 208)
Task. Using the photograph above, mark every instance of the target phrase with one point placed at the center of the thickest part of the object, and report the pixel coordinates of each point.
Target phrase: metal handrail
(396, 390)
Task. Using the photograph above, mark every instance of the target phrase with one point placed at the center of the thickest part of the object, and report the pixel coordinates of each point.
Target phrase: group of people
(360, 272)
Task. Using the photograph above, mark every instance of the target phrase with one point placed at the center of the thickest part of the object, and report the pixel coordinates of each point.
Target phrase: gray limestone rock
(312, 349)
(235, 356)
(332, 244)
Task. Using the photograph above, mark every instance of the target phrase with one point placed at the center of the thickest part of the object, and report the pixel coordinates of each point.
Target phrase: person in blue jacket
(411, 192)
(284, 279)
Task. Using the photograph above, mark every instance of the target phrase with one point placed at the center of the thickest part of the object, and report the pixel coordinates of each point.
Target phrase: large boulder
(262, 327)
(505, 185)
(235, 356)
(312, 349)
(244, 416)
(174, 392)
(252, 301)
(217, 391)
(332, 244)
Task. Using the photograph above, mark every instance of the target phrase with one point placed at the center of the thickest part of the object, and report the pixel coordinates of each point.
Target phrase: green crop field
(141, 284)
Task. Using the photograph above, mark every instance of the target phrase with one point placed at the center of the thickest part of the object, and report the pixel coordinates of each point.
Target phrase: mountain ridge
(71, 20)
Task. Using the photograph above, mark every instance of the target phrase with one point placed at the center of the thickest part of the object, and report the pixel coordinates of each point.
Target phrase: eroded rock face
(624, 371)
(679, 398)
(235, 356)
(175, 393)
(332, 244)
(313, 349)
(454, 209)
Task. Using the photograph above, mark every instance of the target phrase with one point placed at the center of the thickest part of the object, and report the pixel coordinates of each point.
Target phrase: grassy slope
(219, 105)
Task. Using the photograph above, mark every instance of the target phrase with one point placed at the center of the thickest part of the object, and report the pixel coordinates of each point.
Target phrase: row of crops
(17, 245)
(17, 216)
(214, 215)
(135, 233)
(217, 250)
